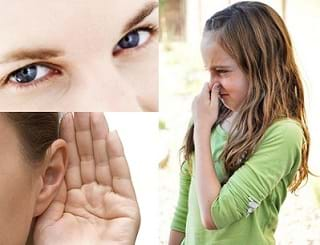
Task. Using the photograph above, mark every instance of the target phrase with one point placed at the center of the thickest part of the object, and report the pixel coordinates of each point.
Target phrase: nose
(214, 80)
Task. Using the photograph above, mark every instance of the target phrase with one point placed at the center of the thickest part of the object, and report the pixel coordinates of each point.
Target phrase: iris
(26, 74)
(131, 40)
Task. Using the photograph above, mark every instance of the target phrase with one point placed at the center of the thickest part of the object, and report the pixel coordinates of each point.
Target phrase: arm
(176, 237)
(277, 156)
(178, 224)
(205, 176)
(205, 113)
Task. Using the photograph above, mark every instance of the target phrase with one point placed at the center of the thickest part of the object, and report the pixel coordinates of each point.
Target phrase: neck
(30, 236)
(232, 116)
(227, 123)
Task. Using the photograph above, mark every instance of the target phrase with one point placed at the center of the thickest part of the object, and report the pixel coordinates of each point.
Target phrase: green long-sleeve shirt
(246, 209)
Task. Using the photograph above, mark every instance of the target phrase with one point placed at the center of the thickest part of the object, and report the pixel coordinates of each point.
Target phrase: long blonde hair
(255, 36)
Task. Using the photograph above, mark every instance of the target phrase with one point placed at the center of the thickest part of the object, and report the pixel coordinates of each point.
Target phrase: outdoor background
(182, 74)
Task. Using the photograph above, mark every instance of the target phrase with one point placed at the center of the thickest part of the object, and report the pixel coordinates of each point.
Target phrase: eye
(31, 73)
(133, 39)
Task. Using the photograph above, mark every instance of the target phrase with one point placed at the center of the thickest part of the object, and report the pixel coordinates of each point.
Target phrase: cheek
(243, 89)
(16, 207)
(229, 85)
(141, 73)
(238, 86)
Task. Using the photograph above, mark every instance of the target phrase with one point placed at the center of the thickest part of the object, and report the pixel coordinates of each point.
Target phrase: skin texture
(91, 200)
(229, 85)
(26, 190)
(225, 72)
(86, 75)
(16, 181)
(226, 78)
(97, 202)
(176, 237)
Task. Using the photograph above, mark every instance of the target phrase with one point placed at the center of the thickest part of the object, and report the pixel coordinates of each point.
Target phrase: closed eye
(222, 71)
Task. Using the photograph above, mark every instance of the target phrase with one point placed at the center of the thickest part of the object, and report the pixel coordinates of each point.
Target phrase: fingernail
(114, 133)
(67, 116)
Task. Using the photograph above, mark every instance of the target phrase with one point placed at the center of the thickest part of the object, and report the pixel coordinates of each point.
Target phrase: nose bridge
(112, 86)
(100, 79)
(96, 78)
(214, 79)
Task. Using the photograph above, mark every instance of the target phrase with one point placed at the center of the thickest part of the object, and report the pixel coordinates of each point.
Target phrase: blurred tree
(172, 20)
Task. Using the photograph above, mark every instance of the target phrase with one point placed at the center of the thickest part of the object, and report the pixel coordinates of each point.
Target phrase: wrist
(201, 134)
(201, 129)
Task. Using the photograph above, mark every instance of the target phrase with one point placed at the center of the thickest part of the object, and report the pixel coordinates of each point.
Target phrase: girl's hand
(205, 107)
(97, 203)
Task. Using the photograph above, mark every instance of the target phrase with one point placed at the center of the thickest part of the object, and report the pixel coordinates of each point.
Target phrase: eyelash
(52, 71)
(219, 72)
(151, 29)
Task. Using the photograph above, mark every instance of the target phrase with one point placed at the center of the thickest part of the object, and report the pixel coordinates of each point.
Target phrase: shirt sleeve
(275, 158)
(181, 212)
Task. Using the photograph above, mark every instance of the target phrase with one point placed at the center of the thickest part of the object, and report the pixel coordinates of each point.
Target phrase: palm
(97, 204)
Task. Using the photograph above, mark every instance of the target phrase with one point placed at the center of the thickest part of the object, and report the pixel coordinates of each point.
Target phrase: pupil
(26, 75)
(130, 41)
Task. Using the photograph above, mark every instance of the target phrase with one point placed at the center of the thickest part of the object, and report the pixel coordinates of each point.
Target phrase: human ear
(52, 175)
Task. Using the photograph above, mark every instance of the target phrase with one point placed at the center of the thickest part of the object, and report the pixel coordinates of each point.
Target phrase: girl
(60, 190)
(82, 55)
(249, 140)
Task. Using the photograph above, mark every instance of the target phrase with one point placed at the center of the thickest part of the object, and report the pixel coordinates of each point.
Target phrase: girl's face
(79, 55)
(224, 71)
(19, 185)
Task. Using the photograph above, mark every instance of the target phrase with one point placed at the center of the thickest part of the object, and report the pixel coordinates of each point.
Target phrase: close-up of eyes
(219, 72)
(31, 75)
(135, 39)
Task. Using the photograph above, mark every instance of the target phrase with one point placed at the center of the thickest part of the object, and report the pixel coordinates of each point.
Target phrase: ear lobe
(56, 163)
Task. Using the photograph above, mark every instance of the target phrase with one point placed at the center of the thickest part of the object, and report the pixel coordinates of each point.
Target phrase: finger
(121, 179)
(214, 96)
(67, 132)
(85, 147)
(211, 85)
(216, 87)
(55, 210)
(205, 92)
(99, 130)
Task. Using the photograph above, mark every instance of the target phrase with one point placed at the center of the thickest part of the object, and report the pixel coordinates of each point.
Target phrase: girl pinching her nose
(249, 141)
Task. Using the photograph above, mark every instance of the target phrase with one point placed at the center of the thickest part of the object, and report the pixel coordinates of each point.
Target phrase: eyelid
(54, 71)
(222, 70)
(36, 63)
(151, 28)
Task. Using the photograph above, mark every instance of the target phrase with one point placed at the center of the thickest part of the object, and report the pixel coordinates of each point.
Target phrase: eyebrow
(32, 54)
(140, 16)
(40, 54)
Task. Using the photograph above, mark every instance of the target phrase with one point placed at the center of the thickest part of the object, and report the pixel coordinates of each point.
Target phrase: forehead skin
(86, 32)
(213, 54)
(16, 188)
(64, 24)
